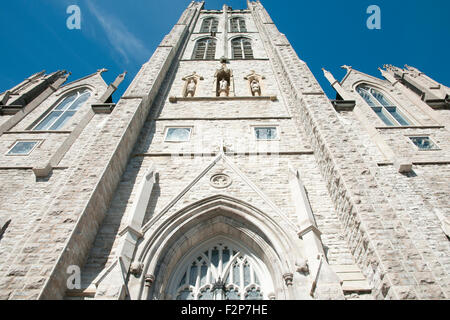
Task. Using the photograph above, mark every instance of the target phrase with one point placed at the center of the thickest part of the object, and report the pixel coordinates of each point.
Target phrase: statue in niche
(223, 83)
(256, 88)
(223, 88)
(190, 89)
(191, 85)
(255, 83)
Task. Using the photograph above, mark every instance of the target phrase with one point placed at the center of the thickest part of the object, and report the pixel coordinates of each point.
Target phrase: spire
(329, 76)
(337, 86)
(388, 76)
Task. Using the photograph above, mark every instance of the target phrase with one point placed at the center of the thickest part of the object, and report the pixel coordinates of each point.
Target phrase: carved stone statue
(190, 89)
(223, 88)
(256, 88)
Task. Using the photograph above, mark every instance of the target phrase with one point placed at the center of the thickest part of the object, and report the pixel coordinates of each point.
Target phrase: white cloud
(124, 42)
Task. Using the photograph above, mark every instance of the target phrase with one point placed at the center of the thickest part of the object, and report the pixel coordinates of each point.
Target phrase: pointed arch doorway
(218, 248)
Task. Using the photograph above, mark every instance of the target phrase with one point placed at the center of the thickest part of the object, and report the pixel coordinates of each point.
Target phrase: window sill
(175, 99)
(9, 110)
(36, 132)
(409, 127)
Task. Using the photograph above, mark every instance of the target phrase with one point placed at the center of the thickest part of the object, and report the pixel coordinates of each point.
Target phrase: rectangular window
(178, 134)
(22, 148)
(424, 143)
(266, 133)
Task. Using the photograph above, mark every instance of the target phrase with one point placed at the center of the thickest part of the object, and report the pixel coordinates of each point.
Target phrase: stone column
(316, 265)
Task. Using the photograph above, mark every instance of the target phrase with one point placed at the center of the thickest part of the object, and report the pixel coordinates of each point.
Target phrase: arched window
(242, 48)
(382, 106)
(65, 110)
(205, 49)
(209, 25)
(238, 25)
(220, 271)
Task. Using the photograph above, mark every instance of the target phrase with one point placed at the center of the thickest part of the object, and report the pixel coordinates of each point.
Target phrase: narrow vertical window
(65, 110)
(209, 25)
(205, 49)
(242, 48)
(383, 107)
(238, 25)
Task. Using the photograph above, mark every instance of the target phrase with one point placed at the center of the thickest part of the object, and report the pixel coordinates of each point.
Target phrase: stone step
(353, 280)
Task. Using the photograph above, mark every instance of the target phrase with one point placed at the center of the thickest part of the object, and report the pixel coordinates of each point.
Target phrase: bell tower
(224, 172)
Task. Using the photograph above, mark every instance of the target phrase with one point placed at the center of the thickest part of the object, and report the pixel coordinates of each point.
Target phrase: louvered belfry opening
(238, 25)
(209, 25)
(242, 48)
(205, 49)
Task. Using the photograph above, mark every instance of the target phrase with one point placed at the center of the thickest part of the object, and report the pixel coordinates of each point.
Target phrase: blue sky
(121, 35)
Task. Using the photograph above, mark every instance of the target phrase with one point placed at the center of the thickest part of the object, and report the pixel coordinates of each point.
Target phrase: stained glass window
(217, 274)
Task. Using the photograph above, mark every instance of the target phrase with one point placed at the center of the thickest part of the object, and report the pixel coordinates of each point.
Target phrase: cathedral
(224, 172)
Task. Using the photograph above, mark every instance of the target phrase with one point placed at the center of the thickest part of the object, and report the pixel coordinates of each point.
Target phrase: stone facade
(336, 205)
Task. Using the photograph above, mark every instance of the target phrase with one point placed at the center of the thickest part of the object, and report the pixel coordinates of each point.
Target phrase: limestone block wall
(417, 200)
(213, 120)
(360, 200)
(27, 259)
(4, 118)
(75, 200)
(399, 141)
(444, 115)
(48, 143)
(420, 197)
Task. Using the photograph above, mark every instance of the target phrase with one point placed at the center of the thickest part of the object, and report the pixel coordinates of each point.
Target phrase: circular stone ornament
(220, 181)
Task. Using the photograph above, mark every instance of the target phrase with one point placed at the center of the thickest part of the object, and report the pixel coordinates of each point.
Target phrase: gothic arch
(379, 86)
(65, 90)
(242, 35)
(203, 36)
(278, 247)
